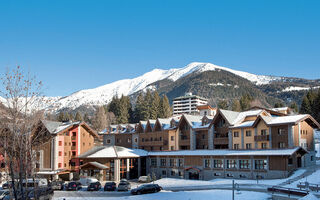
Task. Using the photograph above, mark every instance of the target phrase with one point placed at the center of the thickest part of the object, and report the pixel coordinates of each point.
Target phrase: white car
(143, 179)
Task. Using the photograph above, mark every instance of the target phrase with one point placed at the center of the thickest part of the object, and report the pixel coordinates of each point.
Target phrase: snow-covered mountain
(103, 94)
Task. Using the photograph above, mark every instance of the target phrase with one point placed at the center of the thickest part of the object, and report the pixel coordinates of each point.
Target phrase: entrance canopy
(93, 165)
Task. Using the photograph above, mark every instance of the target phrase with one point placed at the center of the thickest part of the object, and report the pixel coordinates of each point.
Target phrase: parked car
(147, 188)
(124, 180)
(94, 186)
(143, 179)
(6, 185)
(124, 186)
(41, 193)
(110, 186)
(73, 186)
(3, 193)
(57, 185)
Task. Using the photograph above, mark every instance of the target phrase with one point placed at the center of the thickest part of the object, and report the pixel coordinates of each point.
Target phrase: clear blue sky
(74, 45)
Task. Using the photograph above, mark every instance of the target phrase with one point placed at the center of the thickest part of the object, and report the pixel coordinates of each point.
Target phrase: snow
(309, 197)
(317, 148)
(186, 195)
(103, 94)
(244, 124)
(286, 119)
(297, 88)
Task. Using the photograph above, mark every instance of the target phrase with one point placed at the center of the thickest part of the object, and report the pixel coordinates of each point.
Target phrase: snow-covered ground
(167, 183)
(188, 195)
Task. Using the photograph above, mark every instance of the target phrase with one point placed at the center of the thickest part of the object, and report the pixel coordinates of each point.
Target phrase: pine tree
(245, 101)
(123, 114)
(140, 112)
(223, 104)
(165, 110)
(60, 117)
(236, 105)
(86, 118)
(294, 107)
(99, 121)
(155, 106)
(78, 117)
(305, 106)
(278, 105)
(148, 102)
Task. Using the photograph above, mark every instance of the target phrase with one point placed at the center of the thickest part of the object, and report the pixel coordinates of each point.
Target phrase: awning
(96, 165)
(194, 168)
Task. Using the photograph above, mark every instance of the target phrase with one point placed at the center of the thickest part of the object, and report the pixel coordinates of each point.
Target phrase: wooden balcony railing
(259, 138)
(222, 140)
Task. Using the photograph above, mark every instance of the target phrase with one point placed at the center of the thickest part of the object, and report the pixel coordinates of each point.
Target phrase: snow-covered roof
(195, 121)
(165, 123)
(226, 152)
(95, 164)
(55, 127)
(236, 117)
(112, 152)
(286, 119)
(279, 109)
(243, 124)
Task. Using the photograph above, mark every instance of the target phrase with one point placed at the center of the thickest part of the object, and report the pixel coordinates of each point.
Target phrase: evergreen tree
(165, 110)
(305, 106)
(86, 118)
(78, 117)
(245, 101)
(60, 117)
(99, 121)
(123, 114)
(148, 101)
(236, 105)
(155, 106)
(223, 104)
(140, 112)
(294, 107)
(278, 105)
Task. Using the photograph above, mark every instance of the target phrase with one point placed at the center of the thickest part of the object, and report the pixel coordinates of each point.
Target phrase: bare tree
(22, 95)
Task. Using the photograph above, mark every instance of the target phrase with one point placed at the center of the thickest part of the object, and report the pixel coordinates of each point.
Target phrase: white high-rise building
(187, 104)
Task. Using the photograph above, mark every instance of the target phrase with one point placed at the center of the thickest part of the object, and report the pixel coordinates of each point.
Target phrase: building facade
(187, 104)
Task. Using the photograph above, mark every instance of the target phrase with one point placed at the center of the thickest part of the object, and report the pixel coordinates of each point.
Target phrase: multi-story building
(120, 135)
(64, 142)
(187, 104)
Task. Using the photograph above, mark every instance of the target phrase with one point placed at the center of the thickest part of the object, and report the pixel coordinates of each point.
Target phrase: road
(84, 194)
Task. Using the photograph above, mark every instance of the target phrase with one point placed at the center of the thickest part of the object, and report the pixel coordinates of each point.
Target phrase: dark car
(57, 185)
(6, 185)
(148, 188)
(73, 186)
(94, 186)
(124, 186)
(110, 186)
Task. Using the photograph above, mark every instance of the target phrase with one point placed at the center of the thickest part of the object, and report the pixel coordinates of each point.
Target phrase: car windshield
(122, 184)
(109, 183)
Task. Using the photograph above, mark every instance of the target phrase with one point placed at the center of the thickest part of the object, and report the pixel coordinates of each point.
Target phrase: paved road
(61, 194)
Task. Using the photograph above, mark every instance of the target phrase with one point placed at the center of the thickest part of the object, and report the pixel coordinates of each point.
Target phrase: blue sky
(74, 45)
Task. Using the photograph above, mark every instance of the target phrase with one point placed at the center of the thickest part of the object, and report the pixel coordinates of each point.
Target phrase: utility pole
(232, 189)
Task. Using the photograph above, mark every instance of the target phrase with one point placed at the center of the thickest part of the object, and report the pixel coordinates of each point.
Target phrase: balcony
(221, 140)
(260, 138)
(73, 147)
(73, 138)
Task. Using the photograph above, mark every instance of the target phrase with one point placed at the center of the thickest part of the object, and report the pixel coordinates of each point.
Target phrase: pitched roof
(55, 127)
(195, 121)
(95, 164)
(112, 152)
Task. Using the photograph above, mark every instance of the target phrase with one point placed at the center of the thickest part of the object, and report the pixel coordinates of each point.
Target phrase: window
(203, 136)
(248, 133)
(65, 164)
(60, 153)
(243, 176)
(163, 162)
(129, 140)
(281, 145)
(151, 148)
(118, 140)
(151, 139)
(108, 141)
(160, 139)
(229, 175)
(180, 162)
(67, 133)
(74, 144)
(236, 134)
(142, 139)
(248, 146)
(264, 132)
(83, 144)
(236, 146)
(65, 153)
(180, 173)
(172, 148)
(217, 174)
(244, 164)
(73, 153)
(153, 162)
(311, 158)
(135, 140)
(206, 163)
(281, 131)
(74, 134)
(218, 163)
(263, 145)
(172, 162)
(60, 143)
(161, 148)
(164, 173)
(59, 165)
(172, 138)
(65, 144)
(260, 164)
(173, 173)
(89, 143)
(231, 164)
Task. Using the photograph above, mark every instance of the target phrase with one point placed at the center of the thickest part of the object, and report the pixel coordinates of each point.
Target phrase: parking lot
(83, 193)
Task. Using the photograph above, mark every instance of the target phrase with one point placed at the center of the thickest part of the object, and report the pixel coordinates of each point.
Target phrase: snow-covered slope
(103, 94)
